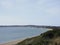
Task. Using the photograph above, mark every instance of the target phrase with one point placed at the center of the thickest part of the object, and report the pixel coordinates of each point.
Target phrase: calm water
(13, 33)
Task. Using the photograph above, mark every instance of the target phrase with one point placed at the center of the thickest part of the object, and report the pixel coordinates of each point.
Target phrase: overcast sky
(38, 12)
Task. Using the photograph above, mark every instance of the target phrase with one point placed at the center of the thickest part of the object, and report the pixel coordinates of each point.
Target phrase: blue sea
(13, 33)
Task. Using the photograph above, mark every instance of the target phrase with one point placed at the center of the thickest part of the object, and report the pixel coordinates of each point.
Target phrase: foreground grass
(51, 37)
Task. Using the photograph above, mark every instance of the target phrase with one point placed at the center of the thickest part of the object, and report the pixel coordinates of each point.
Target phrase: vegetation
(51, 37)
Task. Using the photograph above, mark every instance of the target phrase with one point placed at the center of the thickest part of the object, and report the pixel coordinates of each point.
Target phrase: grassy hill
(51, 37)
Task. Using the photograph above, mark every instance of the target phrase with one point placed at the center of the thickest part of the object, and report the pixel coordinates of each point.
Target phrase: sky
(30, 12)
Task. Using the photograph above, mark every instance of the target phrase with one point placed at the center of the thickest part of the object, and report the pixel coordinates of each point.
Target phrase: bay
(13, 33)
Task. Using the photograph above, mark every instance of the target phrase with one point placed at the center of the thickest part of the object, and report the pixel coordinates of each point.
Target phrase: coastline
(13, 42)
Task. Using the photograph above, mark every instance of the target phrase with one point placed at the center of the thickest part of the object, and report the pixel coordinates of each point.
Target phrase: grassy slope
(48, 38)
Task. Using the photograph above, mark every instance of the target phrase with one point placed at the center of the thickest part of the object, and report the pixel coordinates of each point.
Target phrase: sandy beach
(12, 42)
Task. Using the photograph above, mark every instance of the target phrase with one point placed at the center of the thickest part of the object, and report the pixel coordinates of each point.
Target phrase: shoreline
(12, 42)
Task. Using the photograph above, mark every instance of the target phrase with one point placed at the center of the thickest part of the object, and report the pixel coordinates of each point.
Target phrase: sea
(14, 33)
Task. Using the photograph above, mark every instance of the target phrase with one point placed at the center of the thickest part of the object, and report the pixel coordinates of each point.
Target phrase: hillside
(51, 37)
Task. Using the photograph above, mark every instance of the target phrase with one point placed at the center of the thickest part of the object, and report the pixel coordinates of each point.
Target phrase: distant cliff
(51, 37)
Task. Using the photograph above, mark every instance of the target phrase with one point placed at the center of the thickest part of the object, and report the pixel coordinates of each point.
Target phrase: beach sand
(12, 42)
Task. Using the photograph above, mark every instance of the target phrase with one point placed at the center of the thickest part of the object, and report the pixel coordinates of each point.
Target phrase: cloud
(7, 3)
(31, 11)
(54, 11)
